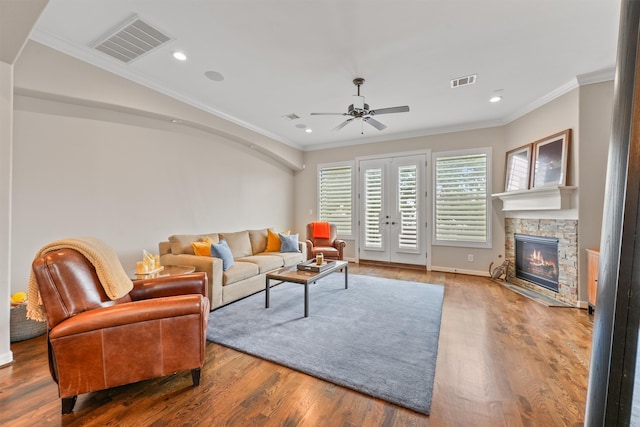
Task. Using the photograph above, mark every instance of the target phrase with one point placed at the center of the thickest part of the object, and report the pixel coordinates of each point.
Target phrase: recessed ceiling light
(180, 56)
(301, 126)
(495, 98)
(307, 130)
(214, 75)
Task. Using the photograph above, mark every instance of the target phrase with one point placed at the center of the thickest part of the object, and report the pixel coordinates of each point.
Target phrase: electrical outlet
(310, 211)
(470, 257)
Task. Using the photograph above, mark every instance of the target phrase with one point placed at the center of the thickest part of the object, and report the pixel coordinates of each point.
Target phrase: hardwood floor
(503, 360)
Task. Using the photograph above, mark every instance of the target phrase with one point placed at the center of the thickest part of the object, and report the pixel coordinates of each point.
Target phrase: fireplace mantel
(537, 199)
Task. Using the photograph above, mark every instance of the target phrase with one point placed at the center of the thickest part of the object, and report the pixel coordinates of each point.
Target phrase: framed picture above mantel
(550, 159)
(542, 163)
(518, 168)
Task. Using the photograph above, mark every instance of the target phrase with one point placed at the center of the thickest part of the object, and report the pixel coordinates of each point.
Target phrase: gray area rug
(379, 337)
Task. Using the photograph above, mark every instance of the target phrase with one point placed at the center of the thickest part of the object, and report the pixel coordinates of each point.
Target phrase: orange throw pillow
(273, 241)
(203, 247)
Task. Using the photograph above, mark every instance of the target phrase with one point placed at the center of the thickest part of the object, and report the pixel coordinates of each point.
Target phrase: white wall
(130, 180)
(47, 71)
(117, 138)
(587, 111)
(555, 116)
(16, 21)
(596, 106)
(442, 257)
(6, 114)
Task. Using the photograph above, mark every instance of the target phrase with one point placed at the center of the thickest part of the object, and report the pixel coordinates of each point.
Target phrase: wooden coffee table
(293, 275)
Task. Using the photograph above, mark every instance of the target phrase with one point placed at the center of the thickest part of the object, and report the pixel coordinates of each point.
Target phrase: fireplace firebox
(537, 260)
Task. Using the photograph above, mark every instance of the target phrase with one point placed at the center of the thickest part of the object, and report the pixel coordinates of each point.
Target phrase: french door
(392, 209)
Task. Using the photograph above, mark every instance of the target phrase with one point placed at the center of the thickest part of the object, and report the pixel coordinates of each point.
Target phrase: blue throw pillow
(288, 243)
(221, 250)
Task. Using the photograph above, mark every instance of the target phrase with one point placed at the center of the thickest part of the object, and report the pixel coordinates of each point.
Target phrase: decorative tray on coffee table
(312, 266)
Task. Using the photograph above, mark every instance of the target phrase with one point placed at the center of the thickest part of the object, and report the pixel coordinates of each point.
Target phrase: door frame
(428, 203)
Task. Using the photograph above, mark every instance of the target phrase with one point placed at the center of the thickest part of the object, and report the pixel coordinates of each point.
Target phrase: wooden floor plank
(503, 360)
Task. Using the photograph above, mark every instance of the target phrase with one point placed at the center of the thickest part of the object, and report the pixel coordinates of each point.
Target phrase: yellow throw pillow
(273, 240)
(202, 247)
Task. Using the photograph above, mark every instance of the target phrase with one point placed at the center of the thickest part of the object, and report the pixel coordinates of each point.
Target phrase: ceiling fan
(360, 110)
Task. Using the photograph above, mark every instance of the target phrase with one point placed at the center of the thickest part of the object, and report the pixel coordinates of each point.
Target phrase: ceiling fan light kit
(360, 110)
(358, 103)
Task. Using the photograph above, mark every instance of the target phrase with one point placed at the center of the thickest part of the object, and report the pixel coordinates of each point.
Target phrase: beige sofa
(247, 274)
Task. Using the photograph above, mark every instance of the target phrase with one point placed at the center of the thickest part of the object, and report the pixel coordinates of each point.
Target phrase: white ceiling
(300, 56)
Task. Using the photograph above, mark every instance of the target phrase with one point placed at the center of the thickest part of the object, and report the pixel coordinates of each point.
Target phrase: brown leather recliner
(331, 248)
(95, 343)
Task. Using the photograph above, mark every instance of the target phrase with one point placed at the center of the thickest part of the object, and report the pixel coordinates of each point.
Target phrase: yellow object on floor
(18, 298)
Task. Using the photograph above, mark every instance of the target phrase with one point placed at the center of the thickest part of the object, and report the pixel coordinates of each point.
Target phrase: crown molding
(84, 54)
(599, 76)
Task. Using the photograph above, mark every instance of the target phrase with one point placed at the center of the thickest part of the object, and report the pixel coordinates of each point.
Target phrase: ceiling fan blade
(341, 125)
(402, 109)
(328, 114)
(373, 122)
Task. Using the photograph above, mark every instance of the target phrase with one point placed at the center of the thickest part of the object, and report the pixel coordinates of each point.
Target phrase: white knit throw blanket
(112, 276)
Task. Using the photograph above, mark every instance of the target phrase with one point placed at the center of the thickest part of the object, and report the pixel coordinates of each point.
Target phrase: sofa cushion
(213, 237)
(258, 240)
(238, 242)
(265, 262)
(164, 248)
(291, 258)
(289, 243)
(329, 251)
(239, 271)
(181, 243)
(221, 250)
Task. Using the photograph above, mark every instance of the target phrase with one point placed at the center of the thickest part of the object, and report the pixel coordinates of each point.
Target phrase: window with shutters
(462, 198)
(335, 196)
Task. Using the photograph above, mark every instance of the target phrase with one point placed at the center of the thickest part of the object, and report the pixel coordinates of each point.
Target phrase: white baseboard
(582, 304)
(6, 358)
(460, 271)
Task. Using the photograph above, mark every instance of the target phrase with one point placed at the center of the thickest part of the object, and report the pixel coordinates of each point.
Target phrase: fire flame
(537, 260)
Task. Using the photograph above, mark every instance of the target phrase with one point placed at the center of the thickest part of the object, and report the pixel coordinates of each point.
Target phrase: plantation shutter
(408, 206)
(461, 198)
(335, 195)
(373, 207)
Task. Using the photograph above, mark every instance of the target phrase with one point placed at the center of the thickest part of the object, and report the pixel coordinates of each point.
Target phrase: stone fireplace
(545, 253)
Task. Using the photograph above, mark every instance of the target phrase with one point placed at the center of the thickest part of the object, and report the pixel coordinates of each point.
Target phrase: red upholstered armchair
(97, 343)
(330, 247)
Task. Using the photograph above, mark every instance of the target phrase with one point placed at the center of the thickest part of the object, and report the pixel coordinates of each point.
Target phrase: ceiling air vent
(464, 81)
(133, 39)
(291, 116)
